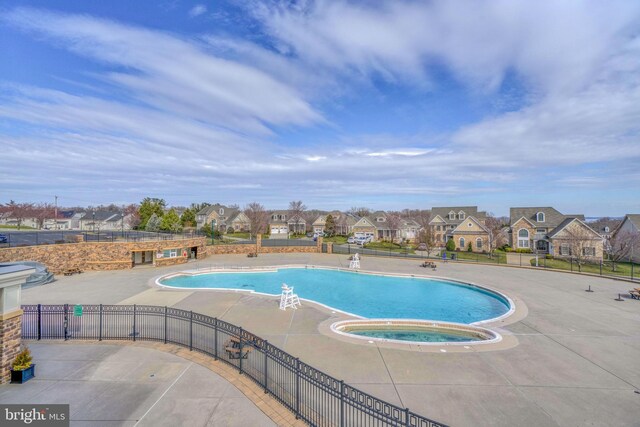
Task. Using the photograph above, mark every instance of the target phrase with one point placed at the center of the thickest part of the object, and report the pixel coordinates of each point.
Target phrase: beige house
(463, 224)
(545, 230)
(630, 224)
(224, 217)
(344, 222)
(281, 223)
(377, 226)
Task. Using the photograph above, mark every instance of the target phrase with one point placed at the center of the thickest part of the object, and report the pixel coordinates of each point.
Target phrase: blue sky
(388, 104)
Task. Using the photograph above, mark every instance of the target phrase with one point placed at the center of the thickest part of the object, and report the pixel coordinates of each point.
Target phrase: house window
(590, 251)
(523, 238)
(469, 225)
(437, 228)
(452, 215)
(460, 215)
(462, 243)
(540, 217)
(541, 230)
(606, 229)
(478, 243)
(565, 249)
(221, 211)
(170, 253)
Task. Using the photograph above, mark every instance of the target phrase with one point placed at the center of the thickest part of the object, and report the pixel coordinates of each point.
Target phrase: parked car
(422, 247)
(364, 240)
(3, 238)
(310, 234)
(351, 240)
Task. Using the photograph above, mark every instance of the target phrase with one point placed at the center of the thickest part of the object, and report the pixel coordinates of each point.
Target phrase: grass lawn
(622, 268)
(389, 247)
(15, 227)
(340, 240)
(239, 234)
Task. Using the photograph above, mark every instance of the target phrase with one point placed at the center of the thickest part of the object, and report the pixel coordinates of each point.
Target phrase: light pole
(213, 229)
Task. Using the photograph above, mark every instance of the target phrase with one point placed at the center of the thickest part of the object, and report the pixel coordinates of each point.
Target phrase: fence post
(297, 388)
(265, 344)
(240, 346)
(601, 268)
(66, 320)
(191, 331)
(571, 263)
(39, 321)
(215, 338)
(406, 417)
(341, 403)
(165, 324)
(100, 330)
(37, 238)
(134, 323)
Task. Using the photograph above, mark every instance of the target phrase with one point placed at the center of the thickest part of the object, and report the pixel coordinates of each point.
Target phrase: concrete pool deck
(123, 385)
(576, 362)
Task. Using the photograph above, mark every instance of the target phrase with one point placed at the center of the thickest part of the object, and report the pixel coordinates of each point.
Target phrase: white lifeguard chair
(355, 262)
(288, 298)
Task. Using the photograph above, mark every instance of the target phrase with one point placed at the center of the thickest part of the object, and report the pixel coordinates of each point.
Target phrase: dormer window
(460, 215)
(221, 211)
(380, 219)
(540, 217)
(452, 215)
(606, 229)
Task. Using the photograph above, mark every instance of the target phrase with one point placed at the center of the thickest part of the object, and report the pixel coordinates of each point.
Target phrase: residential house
(224, 217)
(630, 224)
(344, 222)
(545, 230)
(463, 224)
(281, 223)
(104, 221)
(377, 225)
(67, 220)
(8, 219)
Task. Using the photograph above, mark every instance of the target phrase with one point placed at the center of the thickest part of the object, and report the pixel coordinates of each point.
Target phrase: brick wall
(10, 333)
(98, 255)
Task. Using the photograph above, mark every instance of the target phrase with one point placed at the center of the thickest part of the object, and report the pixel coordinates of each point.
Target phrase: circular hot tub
(416, 332)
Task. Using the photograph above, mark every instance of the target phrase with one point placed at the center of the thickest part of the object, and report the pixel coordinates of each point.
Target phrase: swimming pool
(362, 294)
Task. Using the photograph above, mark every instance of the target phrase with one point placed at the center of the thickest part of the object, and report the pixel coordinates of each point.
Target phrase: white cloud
(197, 10)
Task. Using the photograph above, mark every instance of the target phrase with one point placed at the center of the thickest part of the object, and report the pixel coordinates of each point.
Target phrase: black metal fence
(313, 396)
(619, 270)
(33, 238)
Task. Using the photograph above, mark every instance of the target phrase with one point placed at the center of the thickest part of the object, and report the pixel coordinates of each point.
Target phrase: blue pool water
(365, 295)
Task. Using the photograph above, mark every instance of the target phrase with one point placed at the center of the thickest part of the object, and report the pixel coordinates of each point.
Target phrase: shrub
(230, 230)
(548, 256)
(523, 251)
(22, 360)
(451, 245)
(469, 248)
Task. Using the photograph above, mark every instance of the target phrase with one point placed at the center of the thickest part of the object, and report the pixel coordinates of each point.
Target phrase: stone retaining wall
(99, 255)
(10, 333)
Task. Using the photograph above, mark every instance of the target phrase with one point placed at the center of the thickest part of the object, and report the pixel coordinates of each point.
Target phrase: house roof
(459, 230)
(212, 208)
(443, 212)
(103, 216)
(634, 219)
(552, 218)
(564, 225)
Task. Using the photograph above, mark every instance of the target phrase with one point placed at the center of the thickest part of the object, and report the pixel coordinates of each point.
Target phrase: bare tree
(579, 241)
(495, 225)
(20, 211)
(426, 236)
(360, 211)
(258, 218)
(621, 245)
(132, 216)
(394, 219)
(296, 212)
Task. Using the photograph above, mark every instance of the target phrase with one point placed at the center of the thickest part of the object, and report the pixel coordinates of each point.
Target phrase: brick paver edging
(264, 401)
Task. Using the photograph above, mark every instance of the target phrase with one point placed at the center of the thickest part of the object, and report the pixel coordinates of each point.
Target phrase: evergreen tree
(188, 218)
(330, 226)
(451, 245)
(148, 207)
(153, 223)
(171, 222)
